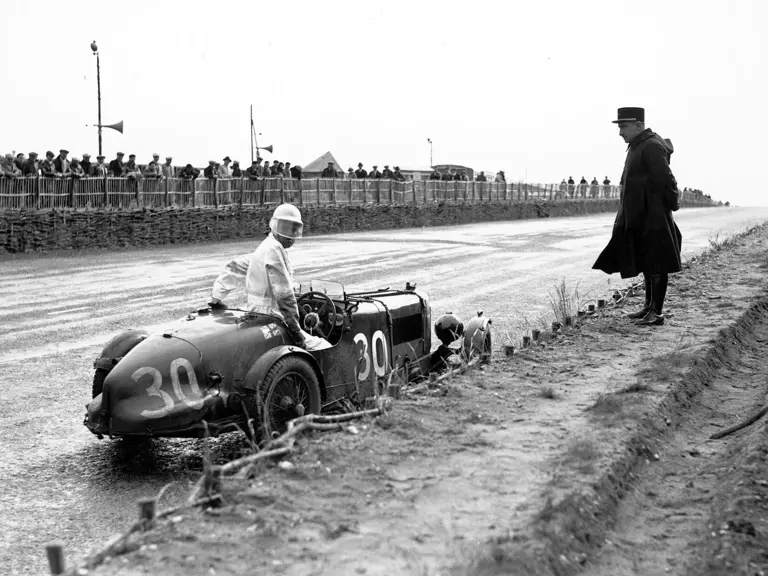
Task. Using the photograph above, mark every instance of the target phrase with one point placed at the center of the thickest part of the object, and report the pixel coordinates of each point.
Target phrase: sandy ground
(462, 480)
(424, 490)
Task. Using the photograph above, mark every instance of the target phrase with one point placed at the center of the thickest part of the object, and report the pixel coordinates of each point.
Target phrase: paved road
(57, 310)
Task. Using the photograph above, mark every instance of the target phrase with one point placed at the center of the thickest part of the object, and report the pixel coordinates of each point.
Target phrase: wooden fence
(98, 193)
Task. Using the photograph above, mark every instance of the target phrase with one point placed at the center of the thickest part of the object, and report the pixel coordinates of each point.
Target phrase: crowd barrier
(99, 193)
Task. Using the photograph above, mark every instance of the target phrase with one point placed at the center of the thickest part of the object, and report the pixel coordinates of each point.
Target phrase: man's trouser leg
(659, 291)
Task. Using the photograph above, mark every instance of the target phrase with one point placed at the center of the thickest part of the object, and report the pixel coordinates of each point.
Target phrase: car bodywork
(191, 379)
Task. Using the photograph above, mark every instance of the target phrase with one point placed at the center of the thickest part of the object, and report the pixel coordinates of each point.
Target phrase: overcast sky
(529, 87)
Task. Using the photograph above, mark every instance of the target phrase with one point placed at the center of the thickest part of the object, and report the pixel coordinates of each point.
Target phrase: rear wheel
(290, 389)
(98, 382)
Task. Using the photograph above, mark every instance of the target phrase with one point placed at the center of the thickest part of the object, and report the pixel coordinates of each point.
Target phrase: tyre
(290, 389)
(98, 382)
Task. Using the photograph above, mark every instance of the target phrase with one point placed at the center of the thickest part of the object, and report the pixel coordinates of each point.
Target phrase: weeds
(563, 303)
(607, 404)
(547, 392)
(636, 387)
(666, 367)
(582, 452)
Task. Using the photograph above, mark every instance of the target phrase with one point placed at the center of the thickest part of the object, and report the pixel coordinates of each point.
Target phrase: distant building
(443, 168)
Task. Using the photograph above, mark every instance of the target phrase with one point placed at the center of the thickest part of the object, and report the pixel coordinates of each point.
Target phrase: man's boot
(648, 293)
(659, 293)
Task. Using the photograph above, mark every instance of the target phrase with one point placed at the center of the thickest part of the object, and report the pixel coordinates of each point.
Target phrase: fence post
(242, 190)
(36, 197)
(263, 191)
(282, 192)
(350, 192)
(71, 199)
(167, 203)
(194, 189)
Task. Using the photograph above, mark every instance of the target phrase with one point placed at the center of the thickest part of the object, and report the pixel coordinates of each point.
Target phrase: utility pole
(430, 151)
(98, 85)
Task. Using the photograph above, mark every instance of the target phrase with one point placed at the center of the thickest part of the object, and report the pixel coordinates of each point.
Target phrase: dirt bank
(519, 469)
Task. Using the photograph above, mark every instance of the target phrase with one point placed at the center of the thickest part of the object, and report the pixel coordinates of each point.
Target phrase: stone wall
(35, 231)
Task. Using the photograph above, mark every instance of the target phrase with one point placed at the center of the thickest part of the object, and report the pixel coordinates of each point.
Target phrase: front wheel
(290, 389)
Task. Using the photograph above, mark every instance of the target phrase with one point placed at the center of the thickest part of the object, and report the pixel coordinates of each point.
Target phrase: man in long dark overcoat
(645, 237)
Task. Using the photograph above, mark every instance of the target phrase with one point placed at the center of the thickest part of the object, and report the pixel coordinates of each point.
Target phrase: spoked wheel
(98, 382)
(290, 390)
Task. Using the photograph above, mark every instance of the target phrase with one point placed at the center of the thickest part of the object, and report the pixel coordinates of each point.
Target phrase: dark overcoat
(645, 237)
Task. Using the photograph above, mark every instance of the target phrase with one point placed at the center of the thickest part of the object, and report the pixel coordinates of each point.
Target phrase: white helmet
(286, 221)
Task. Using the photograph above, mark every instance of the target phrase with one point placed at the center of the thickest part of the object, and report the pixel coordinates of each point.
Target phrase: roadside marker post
(55, 551)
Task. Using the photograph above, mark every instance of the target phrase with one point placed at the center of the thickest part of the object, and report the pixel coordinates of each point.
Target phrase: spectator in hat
(296, 172)
(563, 189)
(254, 171)
(329, 171)
(447, 176)
(189, 172)
(166, 169)
(481, 177)
(153, 168)
(571, 186)
(435, 175)
(86, 165)
(583, 187)
(501, 177)
(278, 169)
(594, 187)
(19, 161)
(360, 172)
(456, 175)
(236, 171)
(387, 174)
(131, 165)
(350, 175)
(606, 187)
(76, 170)
(266, 171)
(31, 166)
(47, 169)
(8, 167)
(224, 168)
(399, 175)
(645, 237)
(117, 167)
(375, 173)
(210, 170)
(99, 170)
(61, 164)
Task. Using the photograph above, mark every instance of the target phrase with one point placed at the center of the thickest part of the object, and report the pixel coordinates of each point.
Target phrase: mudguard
(258, 371)
(477, 339)
(118, 347)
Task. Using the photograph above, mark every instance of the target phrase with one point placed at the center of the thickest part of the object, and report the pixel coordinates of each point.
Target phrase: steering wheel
(319, 316)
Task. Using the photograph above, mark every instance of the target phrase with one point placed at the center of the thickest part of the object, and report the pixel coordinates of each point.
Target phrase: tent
(315, 168)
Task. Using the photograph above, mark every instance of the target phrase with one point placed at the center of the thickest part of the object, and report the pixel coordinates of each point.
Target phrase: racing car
(220, 367)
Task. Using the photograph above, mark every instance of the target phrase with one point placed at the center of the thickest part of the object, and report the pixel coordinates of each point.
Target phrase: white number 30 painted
(157, 381)
(380, 362)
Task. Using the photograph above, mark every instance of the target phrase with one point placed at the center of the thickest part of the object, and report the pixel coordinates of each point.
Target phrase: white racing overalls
(269, 286)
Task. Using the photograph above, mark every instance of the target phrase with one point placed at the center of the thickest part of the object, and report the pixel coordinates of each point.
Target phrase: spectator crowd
(64, 166)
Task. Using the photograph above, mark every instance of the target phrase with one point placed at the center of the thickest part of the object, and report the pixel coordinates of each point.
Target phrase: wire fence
(126, 193)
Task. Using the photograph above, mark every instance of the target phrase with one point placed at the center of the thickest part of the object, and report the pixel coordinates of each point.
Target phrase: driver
(268, 276)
